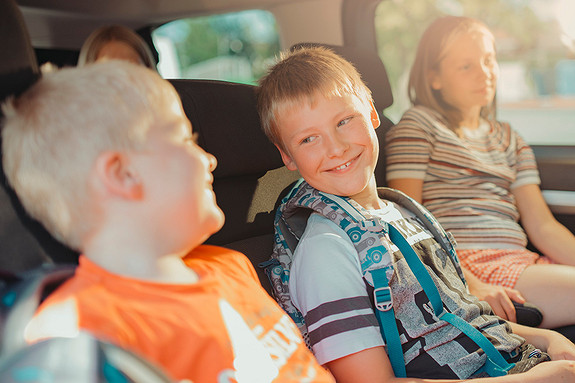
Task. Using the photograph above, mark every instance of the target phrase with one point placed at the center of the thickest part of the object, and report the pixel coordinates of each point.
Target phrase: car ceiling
(50, 22)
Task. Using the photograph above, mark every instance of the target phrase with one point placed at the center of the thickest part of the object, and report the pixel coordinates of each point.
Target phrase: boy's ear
(287, 160)
(118, 177)
(374, 116)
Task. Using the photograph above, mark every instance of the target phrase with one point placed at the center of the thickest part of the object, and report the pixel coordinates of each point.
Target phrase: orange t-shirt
(225, 328)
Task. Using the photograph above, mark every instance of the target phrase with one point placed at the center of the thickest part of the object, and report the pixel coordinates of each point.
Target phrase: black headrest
(369, 65)
(18, 66)
(24, 243)
(225, 116)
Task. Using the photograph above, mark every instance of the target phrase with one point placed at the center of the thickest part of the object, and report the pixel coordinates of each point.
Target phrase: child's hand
(499, 298)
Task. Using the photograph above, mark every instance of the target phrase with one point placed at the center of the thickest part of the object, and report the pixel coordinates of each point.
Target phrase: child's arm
(544, 231)
(373, 366)
(555, 344)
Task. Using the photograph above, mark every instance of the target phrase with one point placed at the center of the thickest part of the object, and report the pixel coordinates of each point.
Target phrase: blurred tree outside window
(233, 47)
(535, 42)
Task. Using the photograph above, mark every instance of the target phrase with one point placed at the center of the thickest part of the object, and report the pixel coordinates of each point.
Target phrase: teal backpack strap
(383, 302)
(495, 365)
(445, 239)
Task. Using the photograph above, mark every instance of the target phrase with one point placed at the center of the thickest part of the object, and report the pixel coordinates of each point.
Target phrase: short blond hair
(298, 77)
(103, 35)
(53, 133)
(431, 50)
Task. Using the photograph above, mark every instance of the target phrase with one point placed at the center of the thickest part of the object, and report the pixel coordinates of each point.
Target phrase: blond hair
(300, 76)
(101, 36)
(53, 133)
(434, 43)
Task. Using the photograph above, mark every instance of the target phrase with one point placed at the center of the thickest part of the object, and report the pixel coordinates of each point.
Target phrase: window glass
(234, 47)
(535, 42)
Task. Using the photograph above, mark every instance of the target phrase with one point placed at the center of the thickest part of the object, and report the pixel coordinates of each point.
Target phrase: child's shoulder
(418, 120)
(220, 258)
(318, 224)
(421, 113)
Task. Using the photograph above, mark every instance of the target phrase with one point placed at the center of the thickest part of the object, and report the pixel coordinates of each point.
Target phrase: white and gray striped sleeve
(327, 286)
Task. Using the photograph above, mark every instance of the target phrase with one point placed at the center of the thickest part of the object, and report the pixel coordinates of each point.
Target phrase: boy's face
(178, 183)
(332, 143)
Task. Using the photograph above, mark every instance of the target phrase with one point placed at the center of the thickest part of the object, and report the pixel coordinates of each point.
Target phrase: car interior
(250, 178)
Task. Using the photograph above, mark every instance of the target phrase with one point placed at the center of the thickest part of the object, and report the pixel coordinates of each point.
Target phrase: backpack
(368, 235)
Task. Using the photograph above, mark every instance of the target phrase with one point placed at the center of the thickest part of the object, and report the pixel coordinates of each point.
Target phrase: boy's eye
(307, 140)
(344, 121)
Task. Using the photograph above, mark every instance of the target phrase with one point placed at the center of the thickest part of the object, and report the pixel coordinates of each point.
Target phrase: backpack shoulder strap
(364, 231)
(445, 239)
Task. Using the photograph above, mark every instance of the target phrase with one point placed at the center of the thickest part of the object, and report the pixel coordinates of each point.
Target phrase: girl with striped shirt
(478, 176)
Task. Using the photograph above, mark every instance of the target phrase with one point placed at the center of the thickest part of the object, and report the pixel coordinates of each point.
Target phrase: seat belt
(495, 365)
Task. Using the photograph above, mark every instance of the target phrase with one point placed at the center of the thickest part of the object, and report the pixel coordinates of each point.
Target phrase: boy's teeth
(343, 166)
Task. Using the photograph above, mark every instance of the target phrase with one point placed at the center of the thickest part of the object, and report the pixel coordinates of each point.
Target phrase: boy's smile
(332, 142)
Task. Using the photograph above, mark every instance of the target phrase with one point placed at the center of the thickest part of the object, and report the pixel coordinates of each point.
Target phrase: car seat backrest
(18, 67)
(23, 242)
(373, 73)
(250, 174)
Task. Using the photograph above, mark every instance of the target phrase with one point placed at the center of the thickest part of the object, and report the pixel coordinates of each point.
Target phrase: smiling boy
(320, 115)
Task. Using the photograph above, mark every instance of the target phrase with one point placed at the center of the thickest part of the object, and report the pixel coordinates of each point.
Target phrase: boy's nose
(336, 146)
(212, 161)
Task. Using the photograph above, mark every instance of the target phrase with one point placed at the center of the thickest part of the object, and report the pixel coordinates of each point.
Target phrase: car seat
(24, 243)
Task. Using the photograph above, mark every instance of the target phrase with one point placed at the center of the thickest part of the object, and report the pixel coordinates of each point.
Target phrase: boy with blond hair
(317, 111)
(105, 158)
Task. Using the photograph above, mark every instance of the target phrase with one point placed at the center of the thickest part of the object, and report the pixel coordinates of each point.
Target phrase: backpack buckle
(383, 299)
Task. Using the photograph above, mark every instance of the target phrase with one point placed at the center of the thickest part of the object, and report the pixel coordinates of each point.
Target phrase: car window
(535, 42)
(234, 46)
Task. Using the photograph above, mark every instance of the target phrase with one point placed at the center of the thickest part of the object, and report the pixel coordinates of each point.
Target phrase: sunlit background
(535, 47)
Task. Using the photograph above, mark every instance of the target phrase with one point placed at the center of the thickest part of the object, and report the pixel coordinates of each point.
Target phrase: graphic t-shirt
(224, 328)
(326, 285)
